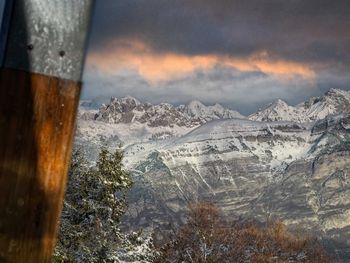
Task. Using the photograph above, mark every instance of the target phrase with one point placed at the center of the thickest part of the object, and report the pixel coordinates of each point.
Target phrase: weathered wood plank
(47, 37)
(37, 117)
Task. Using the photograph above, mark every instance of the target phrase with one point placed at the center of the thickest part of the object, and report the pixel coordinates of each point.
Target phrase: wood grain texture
(37, 120)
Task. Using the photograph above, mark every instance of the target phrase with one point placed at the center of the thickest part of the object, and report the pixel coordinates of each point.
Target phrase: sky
(240, 53)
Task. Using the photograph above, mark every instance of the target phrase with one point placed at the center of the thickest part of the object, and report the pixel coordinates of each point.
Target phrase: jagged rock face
(128, 110)
(293, 172)
(313, 195)
(333, 102)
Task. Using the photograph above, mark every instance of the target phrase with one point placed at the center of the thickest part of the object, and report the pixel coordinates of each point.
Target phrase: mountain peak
(195, 104)
(334, 90)
(130, 100)
(280, 102)
(218, 106)
(332, 102)
(338, 92)
(195, 108)
(278, 110)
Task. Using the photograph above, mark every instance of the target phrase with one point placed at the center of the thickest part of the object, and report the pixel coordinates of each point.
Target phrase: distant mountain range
(129, 110)
(286, 162)
(333, 102)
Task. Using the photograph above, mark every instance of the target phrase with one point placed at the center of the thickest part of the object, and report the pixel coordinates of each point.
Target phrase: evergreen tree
(94, 203)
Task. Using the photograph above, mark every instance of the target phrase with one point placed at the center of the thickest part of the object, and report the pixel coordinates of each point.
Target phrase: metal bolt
(30, 46)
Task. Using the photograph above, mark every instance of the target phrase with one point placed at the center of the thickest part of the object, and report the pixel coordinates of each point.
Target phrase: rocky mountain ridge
(130, 110)
(333, 102)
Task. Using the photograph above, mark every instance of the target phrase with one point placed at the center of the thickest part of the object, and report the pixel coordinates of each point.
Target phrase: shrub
(207, 237)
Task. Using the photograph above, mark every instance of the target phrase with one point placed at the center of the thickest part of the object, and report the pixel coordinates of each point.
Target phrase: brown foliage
(207, 237)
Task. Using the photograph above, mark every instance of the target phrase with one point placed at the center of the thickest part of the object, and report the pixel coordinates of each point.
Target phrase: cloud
(159, 67)
(243, 91)
(289, 29)
(238, 53)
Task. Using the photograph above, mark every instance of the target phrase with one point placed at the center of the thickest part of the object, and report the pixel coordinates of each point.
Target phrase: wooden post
(39, 93)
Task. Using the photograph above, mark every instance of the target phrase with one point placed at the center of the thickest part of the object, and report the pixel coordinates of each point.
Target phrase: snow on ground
(128, 133)
(216, 140)
(240, 138)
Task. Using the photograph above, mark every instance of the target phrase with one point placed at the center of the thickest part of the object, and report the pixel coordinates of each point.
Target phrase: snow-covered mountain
(291, 163)
(128, 121)
(297, 173)
(279, 110)
(198, 111)
(333, 102)
(130, 110)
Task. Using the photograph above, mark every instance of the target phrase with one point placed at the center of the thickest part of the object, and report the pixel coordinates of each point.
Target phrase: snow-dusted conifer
(94, 203)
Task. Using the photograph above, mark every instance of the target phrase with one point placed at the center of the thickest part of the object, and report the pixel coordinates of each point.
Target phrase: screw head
(30, 46)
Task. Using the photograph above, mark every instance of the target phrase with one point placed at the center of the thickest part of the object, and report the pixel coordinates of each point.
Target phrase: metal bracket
(48, 37)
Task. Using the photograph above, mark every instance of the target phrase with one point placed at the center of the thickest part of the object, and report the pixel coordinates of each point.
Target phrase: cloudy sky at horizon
(242, 54)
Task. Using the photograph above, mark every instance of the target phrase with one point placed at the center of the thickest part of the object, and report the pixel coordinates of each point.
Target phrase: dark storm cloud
(297, 35)
(312, 30)
(311, 33)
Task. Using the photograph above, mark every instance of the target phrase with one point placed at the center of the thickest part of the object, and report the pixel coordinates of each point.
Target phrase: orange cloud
(262, 62)
(156, 67)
